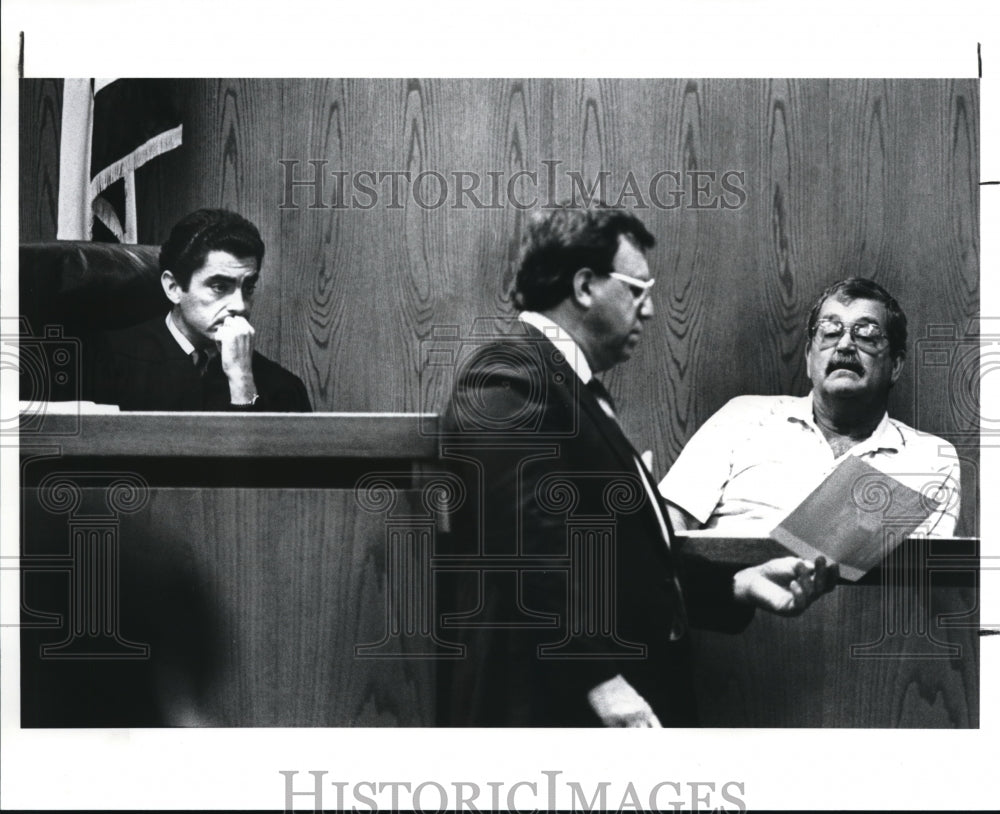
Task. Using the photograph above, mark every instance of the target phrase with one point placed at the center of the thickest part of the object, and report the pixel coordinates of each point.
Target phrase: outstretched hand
(786, 585)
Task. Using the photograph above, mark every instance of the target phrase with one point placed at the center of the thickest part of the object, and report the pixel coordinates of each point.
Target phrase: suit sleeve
(291, 398)
(708, 591)
(99, 370)
(278, 390)
(520, 433)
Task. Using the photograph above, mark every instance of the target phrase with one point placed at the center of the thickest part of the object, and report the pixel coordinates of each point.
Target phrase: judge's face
(222, 287)
(618, 309)
(844, 364)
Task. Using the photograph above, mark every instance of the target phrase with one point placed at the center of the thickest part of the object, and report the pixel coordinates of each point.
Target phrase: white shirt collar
(565, 343)
(801, 409)
(175, 332)
(884, 436)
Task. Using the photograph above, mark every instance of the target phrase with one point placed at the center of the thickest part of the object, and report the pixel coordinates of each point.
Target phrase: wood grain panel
(927, 232)
(517, 139)
(665, 360)
(873, 177)
(40, 127)
(704, 345)
(582, 134)
(422, 262)
(948, 261)
(370, 436)
(608, 147)
(731, 324)
(243, 141)
(254, 602)
(801, 672)
(939, 266)
(315, 238)
(493, 136)
(441, 129)
(298, 576)
(862, 130)
(842, 176)
(374, 264)
(791, 240)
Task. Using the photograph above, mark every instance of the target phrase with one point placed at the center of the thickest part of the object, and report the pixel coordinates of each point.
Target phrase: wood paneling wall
(865, 656)
(255, 606)
(872, 177)
(40, 123)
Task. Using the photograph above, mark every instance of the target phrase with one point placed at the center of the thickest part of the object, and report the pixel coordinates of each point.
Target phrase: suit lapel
(590, 407)
(169, 348)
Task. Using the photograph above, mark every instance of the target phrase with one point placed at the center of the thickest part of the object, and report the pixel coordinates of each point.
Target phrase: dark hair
(859, 288)
(204, 231)
(559, 242)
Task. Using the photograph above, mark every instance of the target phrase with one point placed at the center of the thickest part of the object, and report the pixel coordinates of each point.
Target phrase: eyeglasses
(639, 288)
(866, 335)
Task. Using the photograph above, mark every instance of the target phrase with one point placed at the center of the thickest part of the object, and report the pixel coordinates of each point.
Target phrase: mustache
(844, 361)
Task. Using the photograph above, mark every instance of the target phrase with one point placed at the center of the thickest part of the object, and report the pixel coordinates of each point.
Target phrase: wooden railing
(244, 570)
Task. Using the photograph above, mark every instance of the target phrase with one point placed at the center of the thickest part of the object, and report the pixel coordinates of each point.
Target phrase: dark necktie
(679, 622)
(201, 358)
(601, 392)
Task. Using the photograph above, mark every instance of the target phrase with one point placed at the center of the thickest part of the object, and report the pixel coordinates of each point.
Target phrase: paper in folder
(855, 518)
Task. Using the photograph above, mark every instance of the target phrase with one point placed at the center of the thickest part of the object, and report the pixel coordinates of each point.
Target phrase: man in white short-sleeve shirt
(758, 457)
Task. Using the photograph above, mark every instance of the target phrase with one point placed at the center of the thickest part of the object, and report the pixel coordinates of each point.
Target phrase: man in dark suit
(560, 577)
(201, 355)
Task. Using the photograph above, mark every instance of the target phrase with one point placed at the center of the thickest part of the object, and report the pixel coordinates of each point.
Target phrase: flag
(110, 128)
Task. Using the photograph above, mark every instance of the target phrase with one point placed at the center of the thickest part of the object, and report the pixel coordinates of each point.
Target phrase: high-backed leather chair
(86, 286)
(69, 290)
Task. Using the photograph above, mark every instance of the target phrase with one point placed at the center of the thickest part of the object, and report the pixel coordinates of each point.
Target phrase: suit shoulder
(147, 340)
(512, 356)
(282, 389)
(512, 387)
(272, 369)
(504, 368)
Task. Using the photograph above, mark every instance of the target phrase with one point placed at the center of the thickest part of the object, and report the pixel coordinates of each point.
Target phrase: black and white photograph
(379, 438)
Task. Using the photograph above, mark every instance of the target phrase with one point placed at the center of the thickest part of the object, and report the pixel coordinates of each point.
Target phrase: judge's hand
(786, 586)
(235, 340)
(618, 704)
